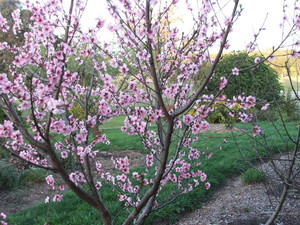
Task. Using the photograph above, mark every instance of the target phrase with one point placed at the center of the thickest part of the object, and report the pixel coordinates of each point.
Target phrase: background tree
(260, 81)
(14, 37)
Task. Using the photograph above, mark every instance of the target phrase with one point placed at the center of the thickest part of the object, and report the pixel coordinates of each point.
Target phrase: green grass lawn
(120, 141)
(226, 162)
(114, 123)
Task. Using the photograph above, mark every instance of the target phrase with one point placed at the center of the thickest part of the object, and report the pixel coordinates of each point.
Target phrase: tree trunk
(105, 216)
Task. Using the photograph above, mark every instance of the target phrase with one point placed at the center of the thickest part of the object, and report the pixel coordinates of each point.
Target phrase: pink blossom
(2, 216)
(145, 182)
(235, 71)
(19, 61)
(136, 175)
(113, 63)
(99, 167)
(257, 60)
(57, 198)
(100, 23)
(203, 177)
(124, 69)
(122, 164)
(98, 185)
(256, 130)
(188, 119)
(204, 125)
(121, 197)
(207, 185)
(122, 177)
(3, 24)
(3, 45)
(245, 118)
(149, 160)
(223, 83)
(265, 107)
(3, 78)
(232, 114)
(153, 2)
(77, 178)
(24, 105)
(50, 181)
(64, 154)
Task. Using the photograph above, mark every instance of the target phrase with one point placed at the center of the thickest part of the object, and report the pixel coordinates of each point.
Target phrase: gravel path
(240, 204)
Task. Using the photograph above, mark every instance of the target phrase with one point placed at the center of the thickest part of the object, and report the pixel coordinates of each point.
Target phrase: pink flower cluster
(7, 130)
(50, 181)
(77, 178)
(121, 164)
(2, 218)
(3, 24)
(256, 130)
(57, 198)
(223, 83)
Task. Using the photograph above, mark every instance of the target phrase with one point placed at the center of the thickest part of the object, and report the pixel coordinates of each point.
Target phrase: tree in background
(44, 87)
(14, 37)
(11, 10)
(260, 81)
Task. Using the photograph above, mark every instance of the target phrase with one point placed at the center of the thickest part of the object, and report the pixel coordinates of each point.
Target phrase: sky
(252, 17)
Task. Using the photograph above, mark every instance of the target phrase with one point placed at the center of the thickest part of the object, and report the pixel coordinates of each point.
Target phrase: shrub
(33, 175)
(252, 176)
(221, 115)
(260, 81)
(77, 111)
(291, 108)
(9, 178)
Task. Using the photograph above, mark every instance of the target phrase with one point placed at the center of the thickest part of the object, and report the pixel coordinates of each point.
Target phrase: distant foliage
(260, 81)
(7, 7)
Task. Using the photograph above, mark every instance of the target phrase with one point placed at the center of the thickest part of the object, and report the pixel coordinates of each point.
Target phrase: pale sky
(253, 15)
(252, 18)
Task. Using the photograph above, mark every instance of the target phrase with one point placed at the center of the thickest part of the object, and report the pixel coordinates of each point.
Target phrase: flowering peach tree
(153, 86)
